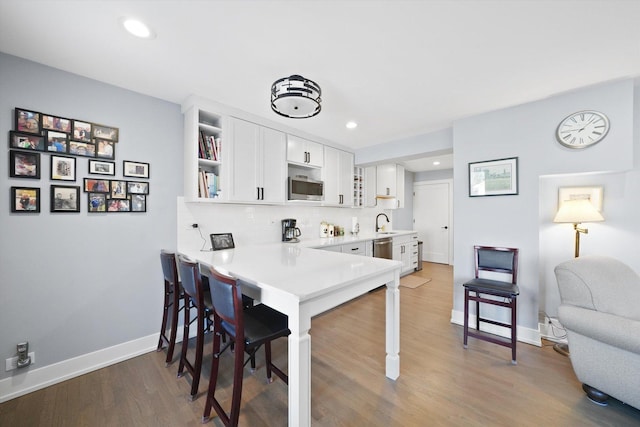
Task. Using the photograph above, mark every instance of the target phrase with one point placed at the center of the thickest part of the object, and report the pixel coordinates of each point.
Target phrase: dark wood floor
(440, 384)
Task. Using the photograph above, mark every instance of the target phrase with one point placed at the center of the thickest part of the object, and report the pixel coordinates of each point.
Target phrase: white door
(432, 219)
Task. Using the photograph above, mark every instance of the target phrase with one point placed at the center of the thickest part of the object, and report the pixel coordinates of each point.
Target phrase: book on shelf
(208, 184)
(208, 146)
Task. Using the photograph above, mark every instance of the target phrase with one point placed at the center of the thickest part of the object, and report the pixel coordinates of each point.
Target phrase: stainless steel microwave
(303, 188)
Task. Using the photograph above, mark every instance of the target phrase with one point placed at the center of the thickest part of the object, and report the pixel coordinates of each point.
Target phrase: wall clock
(582, 129)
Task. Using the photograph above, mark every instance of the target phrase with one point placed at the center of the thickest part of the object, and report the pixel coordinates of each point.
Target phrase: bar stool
(249, 329)
(496, 260)
(197, 297)
(173, 303)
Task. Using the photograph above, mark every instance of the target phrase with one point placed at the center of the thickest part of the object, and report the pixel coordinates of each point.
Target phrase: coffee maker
(290, 232)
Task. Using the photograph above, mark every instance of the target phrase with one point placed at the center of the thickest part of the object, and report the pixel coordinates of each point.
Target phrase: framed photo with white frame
(593, 194)
(493, 177)
(101, 167)
(63, 168)
(135, 169)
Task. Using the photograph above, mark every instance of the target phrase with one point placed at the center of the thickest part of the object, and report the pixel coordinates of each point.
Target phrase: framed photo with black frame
(63, 168)
(81, 131)
(118, 205)
(23, 164)
(57, 141)
(92, 185)
(28, 121)
(84, 149)
(105, 132)
(101, 167)
(65, 198)
(97, 202)
(26, 141)
(25, 200)
(118, 189)
(493, 177)
(105, 149)
(135, 169)
(138, 203)
(137, 187)
(59, 124)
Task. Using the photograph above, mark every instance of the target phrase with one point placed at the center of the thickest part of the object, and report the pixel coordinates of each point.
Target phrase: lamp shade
(296, 97)
(577, 211)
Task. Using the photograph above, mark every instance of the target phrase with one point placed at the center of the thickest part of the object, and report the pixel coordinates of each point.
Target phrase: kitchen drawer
(354, 248)
(336, 248)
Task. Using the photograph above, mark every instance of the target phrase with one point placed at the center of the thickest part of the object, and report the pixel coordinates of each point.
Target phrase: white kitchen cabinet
(337, 175)
(354, 248)
(304, 152)
(257, 156)
(405, 249)
(390, 185)
(370, 181)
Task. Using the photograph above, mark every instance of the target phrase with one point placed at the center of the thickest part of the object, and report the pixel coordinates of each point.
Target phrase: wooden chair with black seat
(493, 262)
(197, 297)
(173, 303)
(249, 329)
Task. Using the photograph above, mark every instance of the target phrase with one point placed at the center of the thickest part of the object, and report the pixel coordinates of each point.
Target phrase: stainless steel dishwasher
(383, 248)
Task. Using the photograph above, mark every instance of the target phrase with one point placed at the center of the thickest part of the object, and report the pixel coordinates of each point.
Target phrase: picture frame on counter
(24, 164)
(25, 200)
(135, 169)
(63, 168)
(221, 241)
(97, 202)
(101, 167)
(65, 198)
(56, 123)
(493, 177)
(27, 121)
(26, 141)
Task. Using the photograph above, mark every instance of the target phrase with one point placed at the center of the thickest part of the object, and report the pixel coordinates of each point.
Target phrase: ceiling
(398, 68)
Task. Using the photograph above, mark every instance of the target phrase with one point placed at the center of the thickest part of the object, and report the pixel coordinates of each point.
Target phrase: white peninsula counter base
(301, 283)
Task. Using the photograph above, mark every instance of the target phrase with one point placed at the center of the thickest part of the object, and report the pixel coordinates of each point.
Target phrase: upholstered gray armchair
(601, 311)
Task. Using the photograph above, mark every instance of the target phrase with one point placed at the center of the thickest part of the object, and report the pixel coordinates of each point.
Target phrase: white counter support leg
(300, 372)
(393, 328)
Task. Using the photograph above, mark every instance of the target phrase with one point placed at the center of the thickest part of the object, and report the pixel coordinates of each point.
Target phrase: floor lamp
(576, 212)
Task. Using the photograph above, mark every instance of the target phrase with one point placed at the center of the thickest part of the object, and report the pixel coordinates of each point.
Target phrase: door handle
(445, 227)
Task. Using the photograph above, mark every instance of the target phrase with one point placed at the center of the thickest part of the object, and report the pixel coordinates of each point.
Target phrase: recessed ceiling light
(436, 163)
(352, 125)
(137, 28)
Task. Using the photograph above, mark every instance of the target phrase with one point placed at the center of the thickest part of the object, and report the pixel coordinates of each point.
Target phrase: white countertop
(319, 242)
(294, 268)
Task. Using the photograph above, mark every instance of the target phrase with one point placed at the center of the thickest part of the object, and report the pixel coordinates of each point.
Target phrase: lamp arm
(578, 231)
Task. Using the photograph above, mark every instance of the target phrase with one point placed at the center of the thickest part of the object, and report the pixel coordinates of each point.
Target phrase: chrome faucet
(379, 215)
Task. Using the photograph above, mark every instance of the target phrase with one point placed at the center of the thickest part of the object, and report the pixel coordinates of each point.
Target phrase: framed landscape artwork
(493, 177)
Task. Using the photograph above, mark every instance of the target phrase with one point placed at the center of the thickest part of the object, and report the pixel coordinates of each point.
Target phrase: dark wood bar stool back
(496, 260)
(199, 299)
(249, 329)
(173, 303)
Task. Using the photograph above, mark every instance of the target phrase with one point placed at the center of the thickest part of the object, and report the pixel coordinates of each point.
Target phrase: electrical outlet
(12, 362)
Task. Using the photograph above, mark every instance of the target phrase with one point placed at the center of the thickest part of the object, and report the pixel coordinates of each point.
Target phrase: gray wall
(75, 283)
(403, 218)
(527, 132)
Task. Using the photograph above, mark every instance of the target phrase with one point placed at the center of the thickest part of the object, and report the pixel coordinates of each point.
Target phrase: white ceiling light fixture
(296, 97)
(137, 28)
(351, 125)
(436, 163)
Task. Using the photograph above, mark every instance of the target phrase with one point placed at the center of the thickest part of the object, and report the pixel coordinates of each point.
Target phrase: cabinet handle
(355, 249)
(388, 191)
(261, 193)
(258, 193)
(398, 202)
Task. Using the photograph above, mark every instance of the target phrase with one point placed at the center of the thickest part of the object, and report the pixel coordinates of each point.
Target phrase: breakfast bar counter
(301, 283)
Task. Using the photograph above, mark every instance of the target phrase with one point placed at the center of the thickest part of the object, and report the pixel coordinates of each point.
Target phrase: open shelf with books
(203, 155)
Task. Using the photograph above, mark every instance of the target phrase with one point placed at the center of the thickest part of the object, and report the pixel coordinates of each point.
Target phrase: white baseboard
(526, 335)
(35, 379)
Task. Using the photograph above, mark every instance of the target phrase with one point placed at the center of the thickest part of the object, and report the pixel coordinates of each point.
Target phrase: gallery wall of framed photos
(65, 140)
